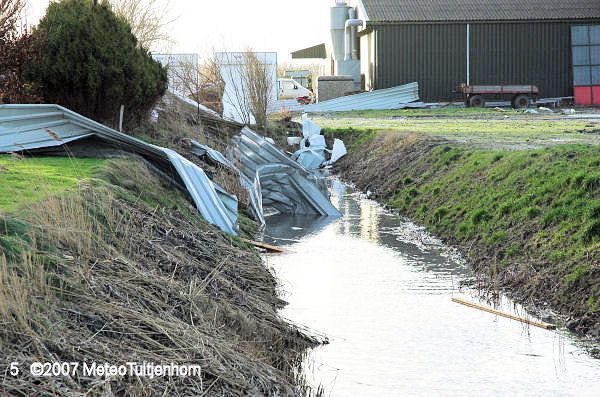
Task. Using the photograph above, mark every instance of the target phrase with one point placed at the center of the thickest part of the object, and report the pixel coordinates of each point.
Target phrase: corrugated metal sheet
(206, 110)
(284, 184)
(214, 203)
(479, 10)
(501, 53)
(285, 189)
(254, 194)
(215, 156)
(390, 98)
(27, 128)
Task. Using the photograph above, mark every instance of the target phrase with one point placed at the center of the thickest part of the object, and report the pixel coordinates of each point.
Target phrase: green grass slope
(27, 180)
(528, 219)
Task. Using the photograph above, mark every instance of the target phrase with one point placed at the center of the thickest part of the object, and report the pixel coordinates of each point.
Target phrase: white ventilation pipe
(350, 45)
(468, 54)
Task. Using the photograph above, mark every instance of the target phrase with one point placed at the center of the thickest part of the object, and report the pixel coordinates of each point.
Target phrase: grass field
(455, 112)
(501, 133)
(26, 180)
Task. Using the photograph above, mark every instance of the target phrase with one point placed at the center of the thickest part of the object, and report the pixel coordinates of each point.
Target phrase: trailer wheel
(521, 101)
(476, 101)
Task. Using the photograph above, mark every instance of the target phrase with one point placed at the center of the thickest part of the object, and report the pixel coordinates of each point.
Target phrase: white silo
(339, 15)
(344, 41)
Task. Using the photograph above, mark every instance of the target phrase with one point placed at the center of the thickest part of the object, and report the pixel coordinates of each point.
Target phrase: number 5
(14, 369)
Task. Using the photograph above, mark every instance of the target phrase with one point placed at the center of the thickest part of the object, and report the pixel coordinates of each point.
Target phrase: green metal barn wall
(433, 55)
(501, 53)
(523, 53)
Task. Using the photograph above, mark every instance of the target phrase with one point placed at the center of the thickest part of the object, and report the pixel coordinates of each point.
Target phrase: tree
(16, 50)
(9, 14)
(98, 71)
(258, 85)
(202, 83)
(148, 19)
(249, 86)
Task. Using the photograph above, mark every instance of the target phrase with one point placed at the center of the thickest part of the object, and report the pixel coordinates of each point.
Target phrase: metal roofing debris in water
(389, 98)
(33, 128)
(313, 147)
(285, 189)
(254, 194)
(284, 184)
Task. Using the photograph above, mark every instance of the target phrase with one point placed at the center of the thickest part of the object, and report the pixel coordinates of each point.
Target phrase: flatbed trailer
(521, 95)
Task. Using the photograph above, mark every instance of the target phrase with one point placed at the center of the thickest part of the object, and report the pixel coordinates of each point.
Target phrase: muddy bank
(527, 220)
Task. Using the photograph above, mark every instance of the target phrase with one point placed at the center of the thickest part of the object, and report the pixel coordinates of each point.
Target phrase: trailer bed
(498, 89)
(521, 95)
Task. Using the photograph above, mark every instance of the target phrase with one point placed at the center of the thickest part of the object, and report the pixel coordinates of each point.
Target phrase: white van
(290, 89)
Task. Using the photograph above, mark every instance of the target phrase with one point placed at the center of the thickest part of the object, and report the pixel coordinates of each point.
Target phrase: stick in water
(499, 313)
(268, 247)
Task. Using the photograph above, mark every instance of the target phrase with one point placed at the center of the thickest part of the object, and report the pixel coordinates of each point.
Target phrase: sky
(200, 26)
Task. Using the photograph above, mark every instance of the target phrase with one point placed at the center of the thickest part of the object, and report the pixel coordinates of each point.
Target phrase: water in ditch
(380, 289)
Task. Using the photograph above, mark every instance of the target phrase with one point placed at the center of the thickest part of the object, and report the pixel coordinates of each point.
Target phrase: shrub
(90, 62)
(16, 51)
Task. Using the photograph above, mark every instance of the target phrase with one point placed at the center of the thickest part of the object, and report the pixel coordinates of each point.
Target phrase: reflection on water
(380, 289)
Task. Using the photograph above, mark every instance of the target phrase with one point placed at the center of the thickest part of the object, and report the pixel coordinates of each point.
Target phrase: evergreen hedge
(90, 62)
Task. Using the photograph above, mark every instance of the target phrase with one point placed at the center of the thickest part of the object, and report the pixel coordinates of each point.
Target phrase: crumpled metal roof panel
(29, 127)
(388, 98)
(284, 184)
(208, 197)
(288, 191)
(253, 189)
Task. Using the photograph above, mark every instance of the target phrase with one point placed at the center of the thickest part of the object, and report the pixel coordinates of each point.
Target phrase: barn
(554, 44)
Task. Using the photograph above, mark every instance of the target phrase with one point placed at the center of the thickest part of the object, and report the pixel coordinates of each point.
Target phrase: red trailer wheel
(477, 101)
(521, 101)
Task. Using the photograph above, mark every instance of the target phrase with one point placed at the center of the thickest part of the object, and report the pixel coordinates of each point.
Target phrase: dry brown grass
(104, 279)
(178, 124)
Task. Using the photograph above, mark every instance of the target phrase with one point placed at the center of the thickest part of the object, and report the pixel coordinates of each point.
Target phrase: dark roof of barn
(479, 10)
(317, 51)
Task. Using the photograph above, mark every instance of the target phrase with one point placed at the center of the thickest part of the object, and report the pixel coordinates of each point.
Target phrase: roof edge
(372, 23)
(363, 10)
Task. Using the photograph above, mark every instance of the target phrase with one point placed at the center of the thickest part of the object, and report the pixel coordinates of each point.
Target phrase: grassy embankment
(25, 182)
(100, 261)
(529, 220)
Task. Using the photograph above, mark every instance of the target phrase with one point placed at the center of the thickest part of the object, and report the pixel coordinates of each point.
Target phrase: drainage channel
(380, 288)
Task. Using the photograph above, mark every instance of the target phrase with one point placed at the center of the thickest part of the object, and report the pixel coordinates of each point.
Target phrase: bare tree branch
(203, 83)
(148, 19)
(10, 11)
(258, 82)
(249, 85)
(235, 91)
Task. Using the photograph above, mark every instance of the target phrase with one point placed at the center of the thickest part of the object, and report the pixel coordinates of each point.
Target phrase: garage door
(585, 40)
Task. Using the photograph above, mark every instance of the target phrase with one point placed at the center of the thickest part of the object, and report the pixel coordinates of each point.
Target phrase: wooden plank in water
(502, 314)
(268, 247)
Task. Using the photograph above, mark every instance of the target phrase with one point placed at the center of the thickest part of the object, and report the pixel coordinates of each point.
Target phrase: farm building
(554, 44)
